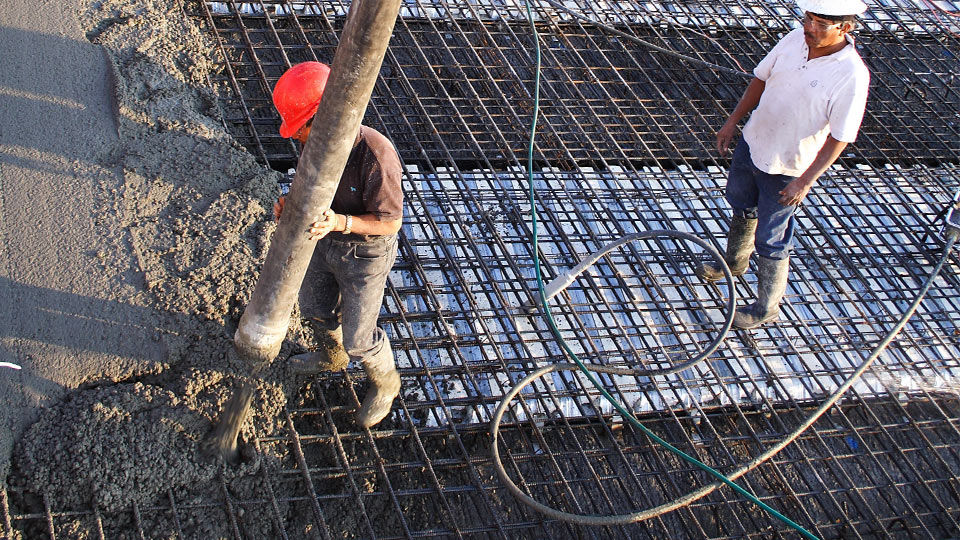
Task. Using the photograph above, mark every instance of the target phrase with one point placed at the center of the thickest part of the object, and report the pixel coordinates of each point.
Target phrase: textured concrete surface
(68, 308)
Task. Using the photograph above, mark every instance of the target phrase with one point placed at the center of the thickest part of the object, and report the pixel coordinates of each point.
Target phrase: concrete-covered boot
(384, 387)
(740, 240)
(329, 357)
(771, 284)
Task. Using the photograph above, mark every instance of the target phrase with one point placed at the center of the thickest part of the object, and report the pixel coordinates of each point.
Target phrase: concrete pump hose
(689, 498)
(727, 480)
(730, 307)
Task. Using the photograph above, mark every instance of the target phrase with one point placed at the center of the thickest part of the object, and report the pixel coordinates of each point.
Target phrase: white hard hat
(833, 7)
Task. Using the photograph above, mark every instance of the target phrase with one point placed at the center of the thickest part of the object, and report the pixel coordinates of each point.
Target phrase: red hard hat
(297, 95)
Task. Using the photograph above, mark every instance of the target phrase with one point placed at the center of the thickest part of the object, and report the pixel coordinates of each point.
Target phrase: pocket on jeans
(368, 252)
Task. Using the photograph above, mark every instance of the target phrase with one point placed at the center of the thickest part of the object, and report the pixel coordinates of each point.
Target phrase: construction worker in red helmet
(806, 102)
(342, 291)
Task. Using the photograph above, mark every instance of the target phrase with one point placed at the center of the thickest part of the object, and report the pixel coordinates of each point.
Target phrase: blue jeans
(754, 193)
(344, 284)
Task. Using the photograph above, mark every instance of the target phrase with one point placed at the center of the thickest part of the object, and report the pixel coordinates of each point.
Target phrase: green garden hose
(589, 371)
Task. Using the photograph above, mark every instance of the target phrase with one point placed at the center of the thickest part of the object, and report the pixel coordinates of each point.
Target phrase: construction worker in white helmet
(806, 102)
(342, 291)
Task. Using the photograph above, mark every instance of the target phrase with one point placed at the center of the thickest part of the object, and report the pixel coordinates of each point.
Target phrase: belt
(353, 238)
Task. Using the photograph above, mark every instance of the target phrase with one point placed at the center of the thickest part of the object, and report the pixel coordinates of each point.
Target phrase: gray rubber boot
(771, 284)
(329, 357)
(384, 387)
(740, 240)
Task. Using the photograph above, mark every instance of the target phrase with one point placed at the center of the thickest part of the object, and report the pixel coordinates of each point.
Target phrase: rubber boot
(771, 284)
(384, 387)
(740, 240)
(329, 357)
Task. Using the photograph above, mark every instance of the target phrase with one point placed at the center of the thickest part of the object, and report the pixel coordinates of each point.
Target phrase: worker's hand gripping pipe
(266, 318)
(722, 480)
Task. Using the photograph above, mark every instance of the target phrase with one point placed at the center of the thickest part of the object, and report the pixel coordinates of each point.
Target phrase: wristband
(348, 224)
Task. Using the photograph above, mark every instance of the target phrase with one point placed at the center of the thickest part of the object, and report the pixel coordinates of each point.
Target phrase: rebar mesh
(625, 145)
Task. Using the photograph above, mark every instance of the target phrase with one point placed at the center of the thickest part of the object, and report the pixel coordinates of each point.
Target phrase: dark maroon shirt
(371, 180)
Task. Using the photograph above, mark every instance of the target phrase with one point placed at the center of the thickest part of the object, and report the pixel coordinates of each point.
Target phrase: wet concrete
(132, 229)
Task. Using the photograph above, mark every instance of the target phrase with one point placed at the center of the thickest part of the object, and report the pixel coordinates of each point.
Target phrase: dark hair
(836, 18)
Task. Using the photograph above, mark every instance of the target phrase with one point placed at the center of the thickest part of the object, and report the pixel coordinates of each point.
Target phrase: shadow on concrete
(26, 91)
(72, 322)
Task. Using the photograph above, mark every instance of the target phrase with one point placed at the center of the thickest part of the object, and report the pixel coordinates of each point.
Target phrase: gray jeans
(344, 283)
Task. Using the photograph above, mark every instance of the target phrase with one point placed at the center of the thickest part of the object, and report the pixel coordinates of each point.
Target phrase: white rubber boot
(740, 239)
(771, 284)
(329, 357)
(384, 387)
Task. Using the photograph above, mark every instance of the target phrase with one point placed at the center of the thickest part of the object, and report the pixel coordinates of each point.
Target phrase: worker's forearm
(795, 191)
(368, 224)
(827, 155)
(749, 100)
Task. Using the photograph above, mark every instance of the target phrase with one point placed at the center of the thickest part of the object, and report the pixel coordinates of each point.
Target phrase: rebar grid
(481, 69)
(625, 146)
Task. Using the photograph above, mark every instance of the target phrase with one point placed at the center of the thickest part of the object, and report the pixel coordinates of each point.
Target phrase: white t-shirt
(802, 102)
